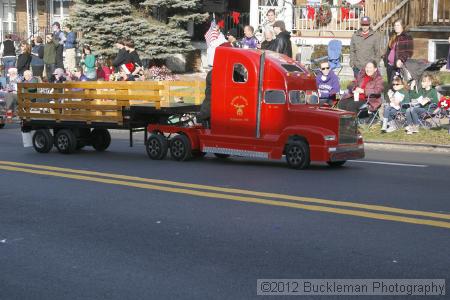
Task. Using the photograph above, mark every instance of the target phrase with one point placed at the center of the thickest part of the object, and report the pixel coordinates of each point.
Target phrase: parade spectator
(49, 56)
(89, 62)
(11, 91)
(400, 48)
(70, 48)
(122, 56)
(269, 41)
(29, 78)
(398, 95)
(8, 54)
(282, 42)
(369, 85)
(270, 19)
(327, 84)
(59, 38)
(24, 58)
(364, 46)
(421, 102)
(59, 76)
(232, 40)
(249, 41)
(133, 56)
(78, 74)
(37, 57)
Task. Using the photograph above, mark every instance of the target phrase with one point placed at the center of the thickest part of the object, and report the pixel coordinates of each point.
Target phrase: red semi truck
(263, 105)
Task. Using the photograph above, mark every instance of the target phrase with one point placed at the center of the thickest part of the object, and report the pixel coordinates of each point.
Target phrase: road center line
(358, 213)
(387, 163)
(237, 191)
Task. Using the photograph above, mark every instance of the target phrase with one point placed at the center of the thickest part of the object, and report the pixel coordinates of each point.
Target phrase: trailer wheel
(42, 141)
(297, 155)
(157, 146)
(221, 156)
(65, 141)
(100, 139)
(336, 164)
(180, 148)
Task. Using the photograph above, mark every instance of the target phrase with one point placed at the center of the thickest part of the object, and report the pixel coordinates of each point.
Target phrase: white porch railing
(300, 18)
(343, 18)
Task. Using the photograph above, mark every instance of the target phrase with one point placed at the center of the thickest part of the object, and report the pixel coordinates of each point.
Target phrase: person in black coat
(24, 59)
(282, 42)
(122, 56)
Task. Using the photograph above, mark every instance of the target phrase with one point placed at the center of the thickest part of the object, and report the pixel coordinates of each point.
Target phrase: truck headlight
(329, 138)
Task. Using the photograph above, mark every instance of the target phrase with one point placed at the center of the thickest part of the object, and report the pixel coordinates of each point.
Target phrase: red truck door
(241, 81)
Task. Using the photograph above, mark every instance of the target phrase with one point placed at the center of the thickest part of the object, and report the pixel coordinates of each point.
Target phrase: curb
(410, 147)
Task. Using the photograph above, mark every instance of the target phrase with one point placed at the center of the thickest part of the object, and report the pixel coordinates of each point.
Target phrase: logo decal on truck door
(239, 103)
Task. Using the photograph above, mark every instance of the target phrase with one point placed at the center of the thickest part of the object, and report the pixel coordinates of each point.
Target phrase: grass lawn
(435, 136)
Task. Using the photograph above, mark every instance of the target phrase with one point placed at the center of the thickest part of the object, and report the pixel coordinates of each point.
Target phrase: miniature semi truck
(263, 105)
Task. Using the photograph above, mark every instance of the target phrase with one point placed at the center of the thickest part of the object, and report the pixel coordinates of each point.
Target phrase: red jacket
(374, 86)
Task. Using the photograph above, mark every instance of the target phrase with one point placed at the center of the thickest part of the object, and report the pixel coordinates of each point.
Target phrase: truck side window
(240, 73)
(274, 97)
(297, 97)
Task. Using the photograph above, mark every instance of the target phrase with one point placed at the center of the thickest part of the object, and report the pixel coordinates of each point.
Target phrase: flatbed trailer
(77, 114)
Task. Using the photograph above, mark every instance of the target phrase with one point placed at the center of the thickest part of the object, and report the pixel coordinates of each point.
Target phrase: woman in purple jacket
(327, 84)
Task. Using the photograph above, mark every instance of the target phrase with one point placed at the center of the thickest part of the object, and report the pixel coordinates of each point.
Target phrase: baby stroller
(414, 68)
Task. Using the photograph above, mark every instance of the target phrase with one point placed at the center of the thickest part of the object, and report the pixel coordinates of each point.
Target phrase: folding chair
(304, 56)
(334, 57)
(373, 115)
(427, 119)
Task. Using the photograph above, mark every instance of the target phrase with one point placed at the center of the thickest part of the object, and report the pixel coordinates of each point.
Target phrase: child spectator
(398, 94)
(327, 84)
(88, 60)
(424, 97)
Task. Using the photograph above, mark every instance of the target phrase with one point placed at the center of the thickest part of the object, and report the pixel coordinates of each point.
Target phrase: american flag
(212, 33)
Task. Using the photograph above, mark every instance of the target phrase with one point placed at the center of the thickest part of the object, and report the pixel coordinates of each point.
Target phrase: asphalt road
(117, 225)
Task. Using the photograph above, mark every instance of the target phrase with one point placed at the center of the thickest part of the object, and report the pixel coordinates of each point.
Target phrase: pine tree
(102, 22)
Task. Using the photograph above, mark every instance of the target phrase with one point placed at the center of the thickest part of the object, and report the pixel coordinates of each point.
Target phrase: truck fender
(193, 138)
(313, 135)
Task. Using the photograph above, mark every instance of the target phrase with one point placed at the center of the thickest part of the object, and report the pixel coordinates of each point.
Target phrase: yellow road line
(357, 213)
(239, 191)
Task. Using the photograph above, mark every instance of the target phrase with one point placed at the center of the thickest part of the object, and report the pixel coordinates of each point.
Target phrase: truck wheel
(180, 148)
(222, 156)
(297, 155)
(42, 141)
(2, 125)
(335, 164)
(65, 141)
(100, 139)
(157, 146)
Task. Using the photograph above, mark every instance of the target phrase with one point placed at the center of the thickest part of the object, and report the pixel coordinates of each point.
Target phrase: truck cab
(265, 105)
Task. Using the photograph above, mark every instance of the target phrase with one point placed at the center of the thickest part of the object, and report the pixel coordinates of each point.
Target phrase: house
(25, 18)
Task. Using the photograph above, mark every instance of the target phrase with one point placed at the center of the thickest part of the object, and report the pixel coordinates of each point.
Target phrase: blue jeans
(412, 115)
(389, 113)
(8, 63)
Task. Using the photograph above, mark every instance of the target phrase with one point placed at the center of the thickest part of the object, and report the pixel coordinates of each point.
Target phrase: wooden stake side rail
(100, 101)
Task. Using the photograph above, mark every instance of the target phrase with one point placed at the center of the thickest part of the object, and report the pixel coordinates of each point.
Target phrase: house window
(8, 16)
(60, 10)
(437, 49)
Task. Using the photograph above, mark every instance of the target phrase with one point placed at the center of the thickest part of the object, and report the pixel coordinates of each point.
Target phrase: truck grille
(348, 130)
